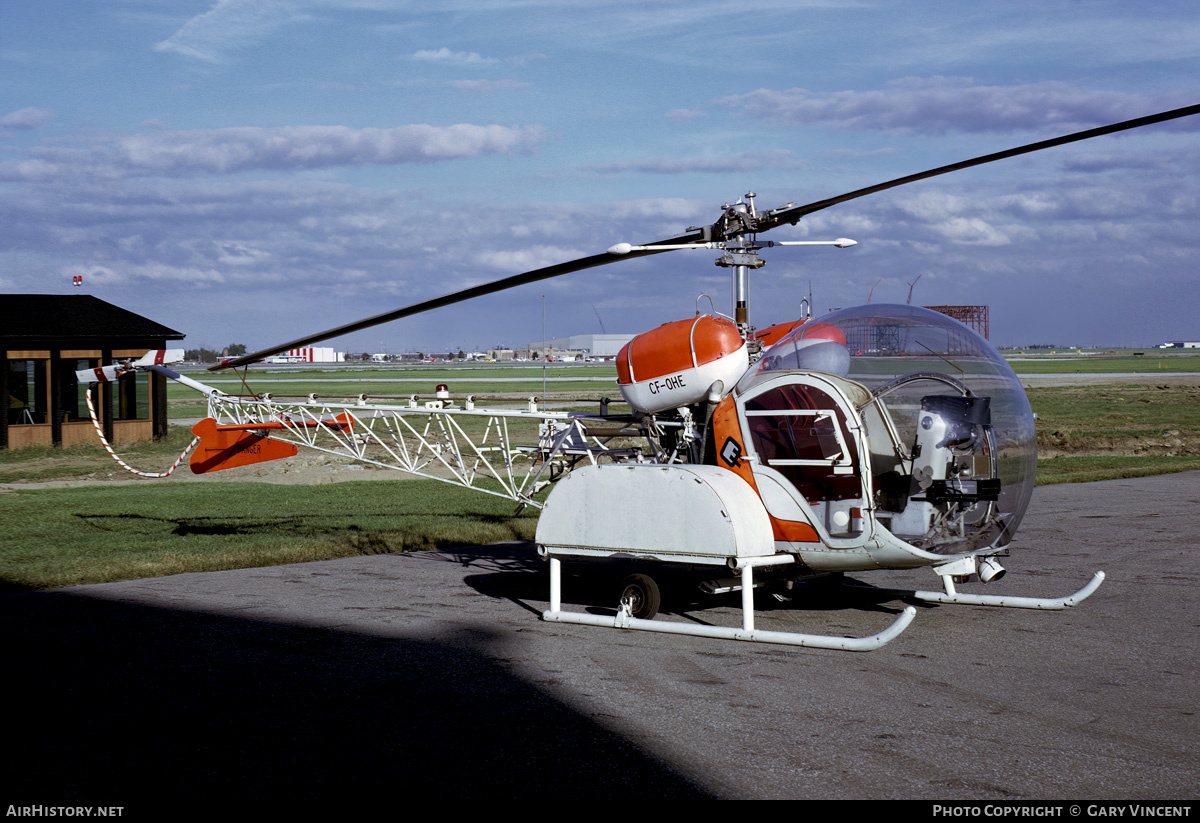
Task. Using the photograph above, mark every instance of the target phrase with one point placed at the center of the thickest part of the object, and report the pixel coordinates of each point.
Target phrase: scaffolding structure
(975, 317)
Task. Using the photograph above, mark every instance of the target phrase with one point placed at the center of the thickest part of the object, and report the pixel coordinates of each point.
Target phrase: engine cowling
(676, 364)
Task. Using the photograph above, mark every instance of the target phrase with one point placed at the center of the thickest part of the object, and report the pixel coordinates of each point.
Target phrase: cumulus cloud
(460, 58)
(843, 154)
(937, 105)
(933, 206)
(480, 85)
(528, 259)
(683, 165)
(156, 244)
(972, 231)
(228, 26)
(485, 85)
(289, 148)
(675, 209)
(1107, 161)
(26, 118)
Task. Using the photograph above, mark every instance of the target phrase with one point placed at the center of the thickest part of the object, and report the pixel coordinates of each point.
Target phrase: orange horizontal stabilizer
(339, 423)
(219, 450)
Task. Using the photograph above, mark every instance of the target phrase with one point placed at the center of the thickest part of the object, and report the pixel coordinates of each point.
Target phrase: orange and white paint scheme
(676, 364)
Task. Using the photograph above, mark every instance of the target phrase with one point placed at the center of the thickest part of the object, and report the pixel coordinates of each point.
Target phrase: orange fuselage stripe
(725, 425)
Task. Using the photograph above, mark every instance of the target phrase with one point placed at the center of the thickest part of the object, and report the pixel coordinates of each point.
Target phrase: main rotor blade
(457, 297)
(764, 222)
(791, 215)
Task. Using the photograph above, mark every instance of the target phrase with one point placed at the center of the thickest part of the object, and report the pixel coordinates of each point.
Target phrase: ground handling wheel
(642, 595)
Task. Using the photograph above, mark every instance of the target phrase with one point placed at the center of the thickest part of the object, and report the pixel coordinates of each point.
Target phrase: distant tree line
(205, 355)
(409, 356)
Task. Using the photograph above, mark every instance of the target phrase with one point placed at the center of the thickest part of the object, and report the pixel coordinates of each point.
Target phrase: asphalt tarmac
(345, 684)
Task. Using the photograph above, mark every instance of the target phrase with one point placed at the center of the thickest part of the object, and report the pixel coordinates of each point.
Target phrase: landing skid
(1047, 603)
(624, 620)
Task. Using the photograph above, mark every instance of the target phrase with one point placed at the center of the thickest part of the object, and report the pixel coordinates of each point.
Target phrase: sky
(251, 171)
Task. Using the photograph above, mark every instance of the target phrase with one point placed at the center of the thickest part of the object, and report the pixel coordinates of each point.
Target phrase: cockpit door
(805, 449)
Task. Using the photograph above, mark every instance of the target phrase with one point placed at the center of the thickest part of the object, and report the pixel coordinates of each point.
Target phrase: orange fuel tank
(675, 364)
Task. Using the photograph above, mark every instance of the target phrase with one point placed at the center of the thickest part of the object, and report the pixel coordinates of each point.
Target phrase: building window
(74, 393)
(27, 391)
(133, 396)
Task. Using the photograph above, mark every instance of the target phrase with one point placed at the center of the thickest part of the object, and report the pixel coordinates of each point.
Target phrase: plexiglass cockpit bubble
(952, 444)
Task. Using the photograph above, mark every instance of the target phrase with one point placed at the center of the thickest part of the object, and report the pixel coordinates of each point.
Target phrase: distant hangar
(588, 345)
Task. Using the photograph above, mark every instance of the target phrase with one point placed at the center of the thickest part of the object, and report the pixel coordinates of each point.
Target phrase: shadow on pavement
(160, 710)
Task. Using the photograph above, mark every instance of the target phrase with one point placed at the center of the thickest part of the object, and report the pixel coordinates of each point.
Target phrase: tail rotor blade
(160, 357)
(104, 374)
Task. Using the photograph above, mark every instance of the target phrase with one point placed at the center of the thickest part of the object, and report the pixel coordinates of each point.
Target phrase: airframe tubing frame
(437, 447)
(623, 620)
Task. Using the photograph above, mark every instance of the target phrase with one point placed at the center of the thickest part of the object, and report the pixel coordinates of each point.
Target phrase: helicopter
(875, 437)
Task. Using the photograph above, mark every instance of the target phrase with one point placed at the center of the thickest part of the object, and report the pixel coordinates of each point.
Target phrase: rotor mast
(741, 255)
(735, 235)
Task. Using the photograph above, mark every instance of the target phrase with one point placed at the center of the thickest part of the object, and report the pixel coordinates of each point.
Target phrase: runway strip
(342, 684)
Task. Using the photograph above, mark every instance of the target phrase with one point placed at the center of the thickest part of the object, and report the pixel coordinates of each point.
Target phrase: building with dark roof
(45, 339)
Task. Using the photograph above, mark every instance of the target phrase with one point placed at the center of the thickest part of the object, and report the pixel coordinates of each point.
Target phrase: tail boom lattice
(505, 452)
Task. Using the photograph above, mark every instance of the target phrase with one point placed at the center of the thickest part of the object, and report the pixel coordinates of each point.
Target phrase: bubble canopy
(886, 341)
(907, 356)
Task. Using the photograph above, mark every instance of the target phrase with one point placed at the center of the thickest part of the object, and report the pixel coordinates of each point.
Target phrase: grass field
(1151, 362)
(91, 462)
(1109, 431)
(98, 533)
